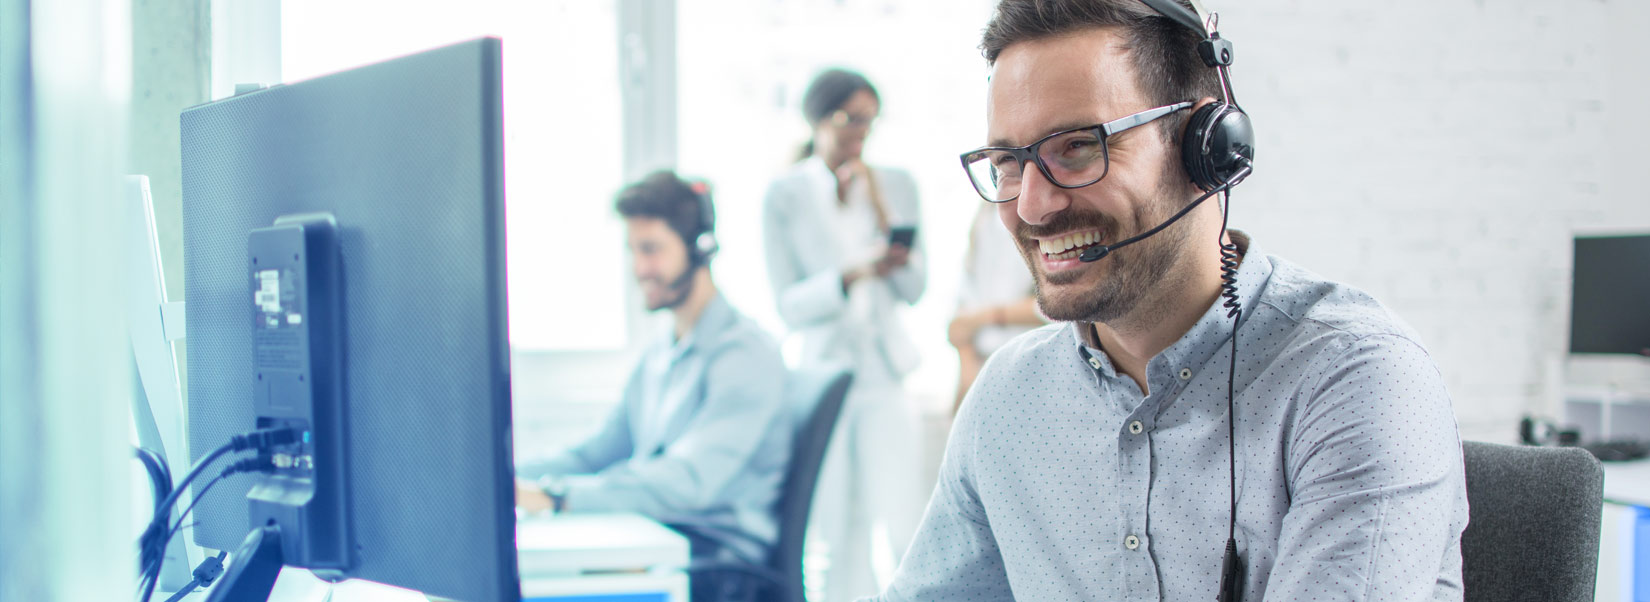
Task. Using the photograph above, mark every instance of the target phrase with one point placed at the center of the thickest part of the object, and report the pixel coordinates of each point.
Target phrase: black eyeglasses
(1069, 159)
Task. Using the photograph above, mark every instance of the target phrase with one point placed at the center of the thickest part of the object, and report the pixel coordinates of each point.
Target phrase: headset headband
(1178, 13)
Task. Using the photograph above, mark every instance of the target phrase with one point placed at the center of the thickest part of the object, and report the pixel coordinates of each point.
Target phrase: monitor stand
(253, 568)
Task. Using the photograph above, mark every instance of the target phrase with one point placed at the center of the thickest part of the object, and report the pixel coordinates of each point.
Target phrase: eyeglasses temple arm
(1141, 118)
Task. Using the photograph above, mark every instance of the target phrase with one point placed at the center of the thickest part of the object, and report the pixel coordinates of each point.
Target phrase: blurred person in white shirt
(997, 300)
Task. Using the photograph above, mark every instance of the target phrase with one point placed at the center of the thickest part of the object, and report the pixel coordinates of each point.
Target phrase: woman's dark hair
(661, 195)
(1164, 52)
(827, 93)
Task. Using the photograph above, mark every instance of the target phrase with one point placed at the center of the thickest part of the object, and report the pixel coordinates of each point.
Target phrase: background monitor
(408, 156)
(157, 405)
(1610, 297)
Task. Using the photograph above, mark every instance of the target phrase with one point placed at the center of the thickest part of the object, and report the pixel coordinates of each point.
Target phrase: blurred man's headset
(702, 243)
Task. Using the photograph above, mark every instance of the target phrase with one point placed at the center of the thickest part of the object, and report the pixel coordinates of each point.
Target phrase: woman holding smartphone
(844, 256)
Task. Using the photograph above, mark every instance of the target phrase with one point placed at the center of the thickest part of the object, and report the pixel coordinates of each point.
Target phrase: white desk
(1626, 489)
(574, 557)
(1627, 483)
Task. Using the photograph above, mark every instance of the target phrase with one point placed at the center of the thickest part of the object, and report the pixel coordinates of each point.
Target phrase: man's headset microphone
(1217, 151)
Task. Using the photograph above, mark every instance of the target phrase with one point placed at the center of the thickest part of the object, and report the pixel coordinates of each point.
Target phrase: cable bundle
(152, 544)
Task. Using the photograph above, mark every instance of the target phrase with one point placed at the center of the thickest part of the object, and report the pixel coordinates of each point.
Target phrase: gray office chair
(1533, 528)
(816, 397)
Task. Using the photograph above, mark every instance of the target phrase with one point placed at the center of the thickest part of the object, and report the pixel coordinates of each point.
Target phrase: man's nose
(1039, 198)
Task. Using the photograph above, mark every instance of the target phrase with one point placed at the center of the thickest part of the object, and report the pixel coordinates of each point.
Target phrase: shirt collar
(718, 316)
(1212, 330)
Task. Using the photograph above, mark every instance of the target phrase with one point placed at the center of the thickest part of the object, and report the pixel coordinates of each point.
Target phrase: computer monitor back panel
(408, 156)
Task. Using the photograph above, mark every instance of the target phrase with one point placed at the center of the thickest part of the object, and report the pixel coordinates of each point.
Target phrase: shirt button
(1135, 427)
(1185, 374)
(1131, 542)
(1095, 362)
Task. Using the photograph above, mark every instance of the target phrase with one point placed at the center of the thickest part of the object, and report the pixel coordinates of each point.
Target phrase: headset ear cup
(1217, 135)
(706, 247)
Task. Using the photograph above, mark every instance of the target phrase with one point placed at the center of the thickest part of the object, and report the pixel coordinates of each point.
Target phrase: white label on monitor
(268, 296)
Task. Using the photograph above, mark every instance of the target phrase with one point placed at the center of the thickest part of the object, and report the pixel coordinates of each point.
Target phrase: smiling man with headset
(1134, 450)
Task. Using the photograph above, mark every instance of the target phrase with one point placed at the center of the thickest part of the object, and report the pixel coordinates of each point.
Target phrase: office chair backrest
(1533, 529)
(816, 396)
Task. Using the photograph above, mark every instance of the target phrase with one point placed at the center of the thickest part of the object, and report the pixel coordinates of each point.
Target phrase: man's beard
(1136, 272)
(677, 290)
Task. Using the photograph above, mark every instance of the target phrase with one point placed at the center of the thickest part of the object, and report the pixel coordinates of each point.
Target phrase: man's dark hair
(662, 195)
(1164, 51)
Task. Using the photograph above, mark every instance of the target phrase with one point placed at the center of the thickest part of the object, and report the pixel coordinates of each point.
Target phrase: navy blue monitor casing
(407, 156)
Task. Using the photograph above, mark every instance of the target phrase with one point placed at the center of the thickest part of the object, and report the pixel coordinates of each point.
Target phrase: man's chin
(1066, 298)
(655, 303)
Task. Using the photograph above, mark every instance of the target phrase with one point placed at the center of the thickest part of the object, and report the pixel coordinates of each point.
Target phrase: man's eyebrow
(1063, 127)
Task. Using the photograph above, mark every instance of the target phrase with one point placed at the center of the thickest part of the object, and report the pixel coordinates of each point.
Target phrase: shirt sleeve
(743, 402)
(1378, 488)
(804, 299)
(609, 445)
(954, 555)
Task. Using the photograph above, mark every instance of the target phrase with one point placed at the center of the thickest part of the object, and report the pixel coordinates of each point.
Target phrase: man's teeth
(1059, 248)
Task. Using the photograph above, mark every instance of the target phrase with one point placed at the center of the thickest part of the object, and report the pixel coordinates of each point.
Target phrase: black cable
(198, 497)
(148, 583)
(152, 543)
(1231, 566)
(208, 571)
(187, 589)
(1229, 260)
(160, 476)
(261, 439)
(154, 570)
(258, 464)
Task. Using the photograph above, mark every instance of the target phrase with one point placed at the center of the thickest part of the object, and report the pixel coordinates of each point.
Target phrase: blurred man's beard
(676, 291)
(1133, 272)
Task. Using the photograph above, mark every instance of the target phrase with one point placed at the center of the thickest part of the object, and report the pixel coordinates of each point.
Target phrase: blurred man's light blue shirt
(1061, 481)
(701, 438)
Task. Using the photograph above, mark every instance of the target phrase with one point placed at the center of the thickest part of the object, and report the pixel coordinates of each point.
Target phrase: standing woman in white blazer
(841, 284)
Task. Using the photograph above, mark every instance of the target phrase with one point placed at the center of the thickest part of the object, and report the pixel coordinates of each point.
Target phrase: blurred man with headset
(1135, 450)
(701, 439)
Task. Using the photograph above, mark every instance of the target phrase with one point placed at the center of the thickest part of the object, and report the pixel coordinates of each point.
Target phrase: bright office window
(741, 74)
(562, 147)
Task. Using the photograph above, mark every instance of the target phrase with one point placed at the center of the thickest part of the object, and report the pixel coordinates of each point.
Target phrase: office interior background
(1441, 155)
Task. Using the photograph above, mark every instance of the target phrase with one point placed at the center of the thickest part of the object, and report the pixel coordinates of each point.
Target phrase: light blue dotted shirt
(1062, 482)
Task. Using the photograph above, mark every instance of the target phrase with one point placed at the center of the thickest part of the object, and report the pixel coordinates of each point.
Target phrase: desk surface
(571, 544)
(1627, 483)
(559, 548)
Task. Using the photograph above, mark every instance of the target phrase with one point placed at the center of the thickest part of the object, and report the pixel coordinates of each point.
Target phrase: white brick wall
(1439, 154)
